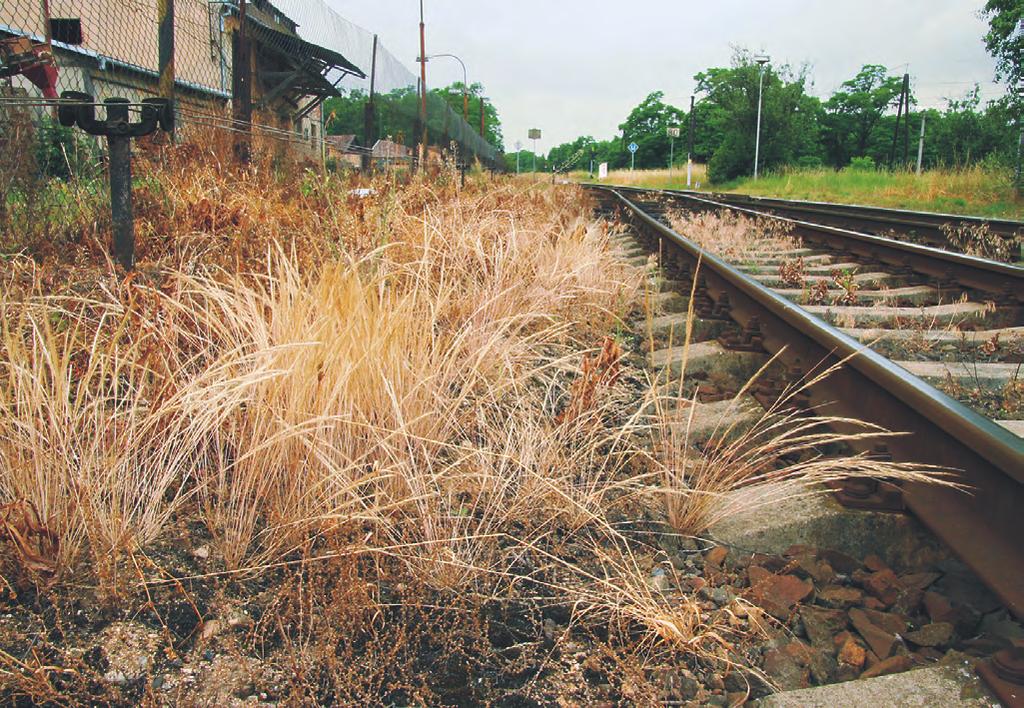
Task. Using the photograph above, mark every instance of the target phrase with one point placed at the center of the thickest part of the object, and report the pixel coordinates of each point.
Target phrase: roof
(296, 47)
(340, 142)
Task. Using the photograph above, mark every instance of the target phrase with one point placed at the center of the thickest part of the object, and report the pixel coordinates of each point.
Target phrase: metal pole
(899, 117)
(242, 84)
(1020, 152)
(518, 155)
(689, 149)
(120, 148)
(483, 118)
(423, 83)
(920, 148)
(671, 157)
(370, 116)
(165, 11)
(906, 129)
(757, 140)
(632, 161)
(535, 156)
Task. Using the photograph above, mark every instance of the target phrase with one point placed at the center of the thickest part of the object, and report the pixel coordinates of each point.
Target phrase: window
(67, 30)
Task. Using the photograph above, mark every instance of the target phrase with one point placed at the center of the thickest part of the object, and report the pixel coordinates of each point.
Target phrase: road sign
(519, 145)
(602, 171)
(633, 147)
(534, 134)
(673, 132)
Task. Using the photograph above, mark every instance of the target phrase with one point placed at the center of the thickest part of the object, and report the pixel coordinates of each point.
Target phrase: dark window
(66, 30)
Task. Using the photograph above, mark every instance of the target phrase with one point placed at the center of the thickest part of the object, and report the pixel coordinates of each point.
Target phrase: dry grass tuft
(733, 236)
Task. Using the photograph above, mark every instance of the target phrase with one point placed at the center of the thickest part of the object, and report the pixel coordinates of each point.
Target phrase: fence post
(79, 109)
(370, 114)
(241, 84)
(165, 10)
(121, 186)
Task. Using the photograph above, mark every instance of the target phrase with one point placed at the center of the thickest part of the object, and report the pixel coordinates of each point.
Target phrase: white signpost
(534, 135)
(673, 133)
(519, 150)
(602, 171)
(632, 147)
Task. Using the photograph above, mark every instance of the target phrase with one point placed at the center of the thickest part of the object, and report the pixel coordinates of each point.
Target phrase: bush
(862, 164)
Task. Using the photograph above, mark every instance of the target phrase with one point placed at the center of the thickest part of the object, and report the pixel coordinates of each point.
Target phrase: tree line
(396, 115)
(856, 125)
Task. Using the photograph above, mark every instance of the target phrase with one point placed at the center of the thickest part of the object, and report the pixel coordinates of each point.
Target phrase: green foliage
(647, 125)
(1003, 41)
(526, 162)
(790, 117)
(396, 116)
(862, 164)
(63, 153)
(453, 96)
(854, 111)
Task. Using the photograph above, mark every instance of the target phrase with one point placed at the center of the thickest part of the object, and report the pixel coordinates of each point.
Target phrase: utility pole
(689, 149)
(920, 147)
(241, 63)
(370, 114)
(165, 17)
(904, 97)
(423, 84)
(906, 132)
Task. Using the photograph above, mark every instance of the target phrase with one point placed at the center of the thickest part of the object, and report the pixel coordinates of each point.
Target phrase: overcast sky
(577, 67)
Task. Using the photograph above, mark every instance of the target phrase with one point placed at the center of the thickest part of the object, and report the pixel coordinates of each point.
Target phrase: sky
(577, 67)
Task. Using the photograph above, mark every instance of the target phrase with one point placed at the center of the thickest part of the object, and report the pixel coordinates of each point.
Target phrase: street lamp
(465, 81)
(761, 60)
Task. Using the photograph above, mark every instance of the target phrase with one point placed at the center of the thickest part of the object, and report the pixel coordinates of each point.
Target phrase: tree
(647, 125)
(790, 118)
(854, 110)
(574, 155)
(1004, 41)
(397, 113)
(452, 95)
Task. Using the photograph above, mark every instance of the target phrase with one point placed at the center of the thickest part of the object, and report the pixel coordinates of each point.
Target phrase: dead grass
(733, 236)
(418, 390)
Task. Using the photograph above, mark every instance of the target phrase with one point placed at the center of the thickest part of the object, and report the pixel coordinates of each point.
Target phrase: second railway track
(969, 304)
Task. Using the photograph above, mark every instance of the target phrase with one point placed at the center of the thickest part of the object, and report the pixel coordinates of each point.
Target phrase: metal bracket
(871, 494)
(80, 109)
(749, 339)
(1004, 674)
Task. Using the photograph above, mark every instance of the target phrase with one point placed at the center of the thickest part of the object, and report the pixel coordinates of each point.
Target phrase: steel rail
(1000, 279)
(925, 224)
(983, 524)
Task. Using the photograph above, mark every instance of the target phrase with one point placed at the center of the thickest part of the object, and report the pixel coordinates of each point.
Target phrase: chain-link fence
(295, 54)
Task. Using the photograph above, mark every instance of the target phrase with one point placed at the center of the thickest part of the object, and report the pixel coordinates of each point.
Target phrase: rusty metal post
(370, 114)
(165, 13)
(423, 87)
(78, 109)
(120, 147)
(241, 69)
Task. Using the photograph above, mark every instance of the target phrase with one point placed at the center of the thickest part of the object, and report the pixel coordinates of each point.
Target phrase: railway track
(959, 301)
(919, 227)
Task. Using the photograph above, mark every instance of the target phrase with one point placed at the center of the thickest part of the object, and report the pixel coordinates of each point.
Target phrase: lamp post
(465, 80)
(761, 60)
